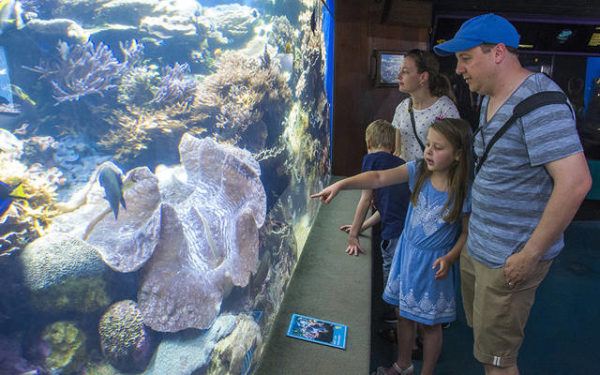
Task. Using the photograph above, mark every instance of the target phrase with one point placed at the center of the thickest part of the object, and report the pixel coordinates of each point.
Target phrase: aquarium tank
(156, 162)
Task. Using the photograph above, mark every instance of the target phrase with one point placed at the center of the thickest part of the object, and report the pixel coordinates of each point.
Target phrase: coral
(312, 63)
(135, 129)
(175, 87)
(230, 23)
(27, 219)
(302, 147)
(67, 346)
(283, 34)
(133, 53)
(138, 85)
(84, 295)
(64, 274)
(81, 70)
(241, 97)
(126, 343)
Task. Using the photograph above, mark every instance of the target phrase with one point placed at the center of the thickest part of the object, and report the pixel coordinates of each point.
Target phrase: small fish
(266, 58)
(8, 194)
(21, 130)
(313, 19)
(63, 50)
(288, 47)
(8, 8)
(110, 180)
(22, 94)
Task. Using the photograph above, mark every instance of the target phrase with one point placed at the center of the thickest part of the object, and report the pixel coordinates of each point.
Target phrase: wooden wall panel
(357, 102)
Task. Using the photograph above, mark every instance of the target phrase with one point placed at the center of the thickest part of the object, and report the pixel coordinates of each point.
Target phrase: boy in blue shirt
(391, 202)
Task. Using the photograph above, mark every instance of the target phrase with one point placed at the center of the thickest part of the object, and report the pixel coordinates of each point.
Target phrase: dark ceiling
(567, 8)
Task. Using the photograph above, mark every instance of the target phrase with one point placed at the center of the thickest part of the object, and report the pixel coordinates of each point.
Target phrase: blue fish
(8, 194)
(110, 180)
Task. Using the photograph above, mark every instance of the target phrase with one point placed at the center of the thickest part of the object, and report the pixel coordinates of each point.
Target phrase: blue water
(209, 125)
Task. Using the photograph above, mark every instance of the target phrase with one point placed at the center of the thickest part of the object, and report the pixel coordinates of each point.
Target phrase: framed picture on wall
(385, 66)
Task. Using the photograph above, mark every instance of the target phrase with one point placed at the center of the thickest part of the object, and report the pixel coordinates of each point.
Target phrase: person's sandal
(407, 371)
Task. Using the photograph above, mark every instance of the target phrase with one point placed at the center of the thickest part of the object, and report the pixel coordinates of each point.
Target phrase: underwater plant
(81, 70)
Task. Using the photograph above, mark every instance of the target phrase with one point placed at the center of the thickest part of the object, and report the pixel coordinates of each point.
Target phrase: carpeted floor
(563, 333)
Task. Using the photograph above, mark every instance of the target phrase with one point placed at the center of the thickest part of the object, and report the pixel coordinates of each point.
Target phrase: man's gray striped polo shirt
(512, 188)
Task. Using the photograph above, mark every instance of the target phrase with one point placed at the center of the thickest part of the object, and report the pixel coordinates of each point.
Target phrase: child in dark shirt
(391, 202)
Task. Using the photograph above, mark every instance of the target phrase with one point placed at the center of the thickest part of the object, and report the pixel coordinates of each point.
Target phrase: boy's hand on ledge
(354, 247)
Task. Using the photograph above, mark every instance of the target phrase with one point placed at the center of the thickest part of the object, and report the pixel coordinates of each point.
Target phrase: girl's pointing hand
(326, 195)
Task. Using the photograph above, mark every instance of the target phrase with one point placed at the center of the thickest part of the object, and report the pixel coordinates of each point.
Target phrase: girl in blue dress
(422, 281)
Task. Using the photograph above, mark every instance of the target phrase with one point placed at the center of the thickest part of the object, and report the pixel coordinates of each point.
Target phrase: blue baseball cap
(484, 29)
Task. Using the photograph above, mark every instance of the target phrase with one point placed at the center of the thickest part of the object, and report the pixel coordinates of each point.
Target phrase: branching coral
(81, 70)
(175, 86)
(133, 53)
(243, 94)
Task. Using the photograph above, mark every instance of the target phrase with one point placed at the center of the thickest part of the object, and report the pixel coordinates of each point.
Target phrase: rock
(59, 28)
(167, 28)
(126, 343)
(185, 354)
(231, 23)
(10, 145)
(126, 12)
(230, 356)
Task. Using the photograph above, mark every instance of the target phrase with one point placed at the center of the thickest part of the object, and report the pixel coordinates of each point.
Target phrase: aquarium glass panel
(156, 162)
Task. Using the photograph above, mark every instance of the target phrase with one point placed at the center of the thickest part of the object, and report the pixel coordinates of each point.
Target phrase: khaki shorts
(497, 314)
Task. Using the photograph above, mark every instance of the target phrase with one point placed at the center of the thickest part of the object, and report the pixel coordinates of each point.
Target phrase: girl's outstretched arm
(366, 180)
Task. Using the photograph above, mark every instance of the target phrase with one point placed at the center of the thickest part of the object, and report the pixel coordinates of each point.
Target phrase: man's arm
(359, 217)
(572, 181)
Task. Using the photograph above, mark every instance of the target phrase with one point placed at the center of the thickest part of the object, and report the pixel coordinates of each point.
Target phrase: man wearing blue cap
(525, 192)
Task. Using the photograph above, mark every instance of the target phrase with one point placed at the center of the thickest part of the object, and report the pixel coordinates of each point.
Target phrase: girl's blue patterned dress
(412, 285)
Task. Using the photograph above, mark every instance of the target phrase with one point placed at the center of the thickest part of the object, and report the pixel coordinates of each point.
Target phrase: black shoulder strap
(414, 126)
(527, 105)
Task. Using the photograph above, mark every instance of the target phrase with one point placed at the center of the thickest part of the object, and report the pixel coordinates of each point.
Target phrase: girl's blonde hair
(458, 133)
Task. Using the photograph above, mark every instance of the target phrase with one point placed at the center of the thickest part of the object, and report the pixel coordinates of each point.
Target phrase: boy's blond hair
(380, 134)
